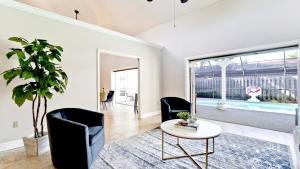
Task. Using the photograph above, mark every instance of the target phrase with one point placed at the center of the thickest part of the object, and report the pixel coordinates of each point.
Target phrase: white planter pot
(221, 106)
(36, 146)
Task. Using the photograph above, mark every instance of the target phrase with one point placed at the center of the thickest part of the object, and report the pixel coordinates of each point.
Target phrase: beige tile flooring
(120, 123)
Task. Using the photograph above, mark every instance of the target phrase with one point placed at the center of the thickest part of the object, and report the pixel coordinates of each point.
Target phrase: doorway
(118, 75)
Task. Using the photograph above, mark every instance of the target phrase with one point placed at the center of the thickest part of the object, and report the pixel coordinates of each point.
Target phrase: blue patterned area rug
(231, 152)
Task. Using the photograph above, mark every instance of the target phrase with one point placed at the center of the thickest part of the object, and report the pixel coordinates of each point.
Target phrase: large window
(208, 83)
(270, 74)
(274, 72)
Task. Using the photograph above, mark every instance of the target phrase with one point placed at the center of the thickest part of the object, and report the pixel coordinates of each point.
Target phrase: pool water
(286, 108)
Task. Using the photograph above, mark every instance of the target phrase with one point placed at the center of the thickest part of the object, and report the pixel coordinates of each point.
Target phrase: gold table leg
(206, 155)
(190, 156)
(162, 145)
(213, 144)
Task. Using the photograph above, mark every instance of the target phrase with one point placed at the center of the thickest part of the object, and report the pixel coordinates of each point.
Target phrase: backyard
(272, 72)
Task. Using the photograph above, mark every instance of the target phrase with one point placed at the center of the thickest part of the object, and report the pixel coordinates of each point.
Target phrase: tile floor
(120, 123)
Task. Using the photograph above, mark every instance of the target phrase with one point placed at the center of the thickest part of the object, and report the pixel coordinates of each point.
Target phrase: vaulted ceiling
(127, 16)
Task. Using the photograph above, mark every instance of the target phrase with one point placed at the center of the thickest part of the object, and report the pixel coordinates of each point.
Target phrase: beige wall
(79, 61)
(110, 63)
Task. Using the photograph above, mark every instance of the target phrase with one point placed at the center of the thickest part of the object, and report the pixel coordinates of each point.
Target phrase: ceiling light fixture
(174, 10)
(182, 1)
(76, 13)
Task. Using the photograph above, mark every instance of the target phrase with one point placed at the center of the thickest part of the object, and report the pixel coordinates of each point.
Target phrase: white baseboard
(11, 145)
(154, 113)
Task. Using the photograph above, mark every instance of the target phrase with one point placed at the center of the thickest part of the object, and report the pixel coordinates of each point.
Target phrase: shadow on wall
(173, 70)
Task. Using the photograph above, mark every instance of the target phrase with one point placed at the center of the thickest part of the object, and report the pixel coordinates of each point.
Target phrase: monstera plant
(39, 69)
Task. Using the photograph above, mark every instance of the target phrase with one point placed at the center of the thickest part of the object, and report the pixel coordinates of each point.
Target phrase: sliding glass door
(261, 80)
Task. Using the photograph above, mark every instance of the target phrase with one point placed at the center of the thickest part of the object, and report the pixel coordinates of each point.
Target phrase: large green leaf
(59, 48)
(49, 95)
(20, 100)
(27, 75)
(10, 54)
(43, 91)
(54, 53)
(29, 96)
(24, 63)
(63, 75)
(19, 52)
(23, 92)
(29, 91)
(28, 49)
(11, 74)
(19, 95)
(42, 40)
(18, 90)
(50, 67)
(54, 82)
(19, 39)
(61, 83)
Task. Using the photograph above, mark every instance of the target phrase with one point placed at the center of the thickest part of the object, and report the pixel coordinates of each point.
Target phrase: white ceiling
(127, 16)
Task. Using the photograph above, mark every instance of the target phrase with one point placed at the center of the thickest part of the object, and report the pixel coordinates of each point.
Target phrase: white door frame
(98, 60)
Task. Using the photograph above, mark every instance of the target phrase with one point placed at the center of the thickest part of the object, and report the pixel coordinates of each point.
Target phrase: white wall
(227, 25)
(79, 61)
(110, 63)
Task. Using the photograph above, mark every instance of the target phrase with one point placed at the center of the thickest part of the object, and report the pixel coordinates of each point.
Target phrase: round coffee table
(206, 130)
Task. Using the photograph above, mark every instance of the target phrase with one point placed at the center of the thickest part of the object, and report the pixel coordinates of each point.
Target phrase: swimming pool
(286, 108)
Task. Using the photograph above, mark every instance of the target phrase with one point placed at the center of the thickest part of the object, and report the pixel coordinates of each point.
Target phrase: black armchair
(109, 99)
(76, 136)
(170, 106)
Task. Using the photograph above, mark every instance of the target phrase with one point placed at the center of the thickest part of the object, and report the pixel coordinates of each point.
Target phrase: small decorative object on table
(184, 115)
(187, 121)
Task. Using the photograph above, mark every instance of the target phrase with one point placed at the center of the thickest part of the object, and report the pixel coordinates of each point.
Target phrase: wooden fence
(274, 88)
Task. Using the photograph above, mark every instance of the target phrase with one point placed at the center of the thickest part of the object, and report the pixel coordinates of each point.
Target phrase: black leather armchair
(76, 136)
(170, 106)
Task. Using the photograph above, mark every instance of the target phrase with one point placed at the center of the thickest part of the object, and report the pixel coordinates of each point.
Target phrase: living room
(177, 43)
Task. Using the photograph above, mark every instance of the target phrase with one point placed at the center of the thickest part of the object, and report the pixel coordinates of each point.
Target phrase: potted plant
(184, 116)
(39, 69)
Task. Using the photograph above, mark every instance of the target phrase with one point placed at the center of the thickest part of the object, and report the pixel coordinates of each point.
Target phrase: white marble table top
(205, 130)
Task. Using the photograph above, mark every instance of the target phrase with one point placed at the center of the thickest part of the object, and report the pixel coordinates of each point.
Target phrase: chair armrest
(165, 106)
(188, 106)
